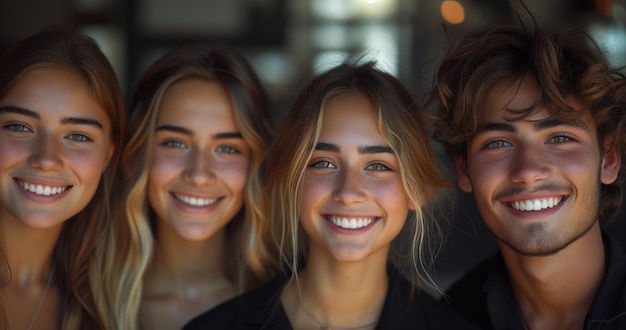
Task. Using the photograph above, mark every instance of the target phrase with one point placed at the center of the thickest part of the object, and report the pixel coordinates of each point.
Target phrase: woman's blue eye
(174, 144)
(78, 137)
(18, 128)
(378, 167)
(229, 150)
(323, 164)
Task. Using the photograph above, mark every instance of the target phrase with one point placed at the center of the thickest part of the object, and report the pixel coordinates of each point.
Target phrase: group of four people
(185, 210)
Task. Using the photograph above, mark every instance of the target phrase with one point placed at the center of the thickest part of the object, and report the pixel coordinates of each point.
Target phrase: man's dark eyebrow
(19, 111)
(500, 127)
(375, 150)
(550, 123)
(82, 121)
(540, 125)
(322, 146)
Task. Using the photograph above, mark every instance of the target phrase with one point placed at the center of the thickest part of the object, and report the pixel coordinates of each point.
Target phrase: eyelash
(77, 137)
(556, 139)
(18, 128)
(563, 139)
(373, 167)
(323, 164)
(492, 144)
(229, 150)
(381, 167)
(21, 128)
(174, 144)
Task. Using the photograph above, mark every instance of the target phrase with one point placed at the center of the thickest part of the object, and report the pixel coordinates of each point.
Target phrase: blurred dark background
(288, 41)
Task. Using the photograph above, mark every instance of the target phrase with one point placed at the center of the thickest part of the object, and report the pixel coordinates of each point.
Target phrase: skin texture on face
(536, 181)
(200, 160)
(353, 203)
(55, 142)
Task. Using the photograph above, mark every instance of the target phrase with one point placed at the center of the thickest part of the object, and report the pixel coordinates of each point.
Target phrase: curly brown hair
(565, 64)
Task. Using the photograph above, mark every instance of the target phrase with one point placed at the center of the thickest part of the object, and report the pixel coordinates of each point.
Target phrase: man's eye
(560, 139)
(497, 144)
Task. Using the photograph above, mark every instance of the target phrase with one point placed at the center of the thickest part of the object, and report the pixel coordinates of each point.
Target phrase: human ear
(463, 180)
(611, 164)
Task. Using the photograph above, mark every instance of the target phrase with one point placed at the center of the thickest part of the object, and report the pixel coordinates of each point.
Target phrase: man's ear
(462, 176)
(611, 163)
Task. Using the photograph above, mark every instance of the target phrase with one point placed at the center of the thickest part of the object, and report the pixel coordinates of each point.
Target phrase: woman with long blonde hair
(199, 130)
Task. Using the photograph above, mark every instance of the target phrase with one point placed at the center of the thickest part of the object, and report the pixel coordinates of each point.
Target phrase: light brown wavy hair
(401, 128)
(97, 256)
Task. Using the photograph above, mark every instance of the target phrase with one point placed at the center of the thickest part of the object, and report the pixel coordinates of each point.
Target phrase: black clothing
(262, 309)
(485, 296)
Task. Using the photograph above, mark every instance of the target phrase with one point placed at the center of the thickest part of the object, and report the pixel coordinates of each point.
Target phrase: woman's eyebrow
(323, 146)
(65, 120)
(82, 121)
(375, 149)
(175, 129)
(19, 111)
(186, 131)
(228, 135)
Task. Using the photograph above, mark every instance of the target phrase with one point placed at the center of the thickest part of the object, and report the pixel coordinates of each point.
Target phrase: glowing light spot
(452, 11)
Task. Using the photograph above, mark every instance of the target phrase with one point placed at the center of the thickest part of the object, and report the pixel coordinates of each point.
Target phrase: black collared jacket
(484, 295)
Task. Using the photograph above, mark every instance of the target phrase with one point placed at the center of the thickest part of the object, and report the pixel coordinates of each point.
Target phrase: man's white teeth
(352, 223)
(536, 204)
(193, 201)
(42, 190)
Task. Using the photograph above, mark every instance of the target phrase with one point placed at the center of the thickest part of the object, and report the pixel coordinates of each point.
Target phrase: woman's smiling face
(200, 164)
(55, 143)
(353, 203)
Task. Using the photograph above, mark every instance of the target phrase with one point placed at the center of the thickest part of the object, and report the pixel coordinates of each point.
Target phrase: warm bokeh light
(452, 11)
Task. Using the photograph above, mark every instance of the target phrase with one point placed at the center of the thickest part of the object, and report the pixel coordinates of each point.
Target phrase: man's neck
(556, 292)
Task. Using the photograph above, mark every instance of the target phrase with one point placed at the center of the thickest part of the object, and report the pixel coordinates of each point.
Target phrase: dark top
(262, 309)
(485, 297)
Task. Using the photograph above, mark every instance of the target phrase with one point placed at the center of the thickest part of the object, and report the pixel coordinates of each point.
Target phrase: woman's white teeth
(41, 190)
(193, 201)
(352, 223)
(536, 204)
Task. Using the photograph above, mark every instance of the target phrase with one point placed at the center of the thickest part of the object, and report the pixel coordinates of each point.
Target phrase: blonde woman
(348, 174)
(67, 260)
(199, 130)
